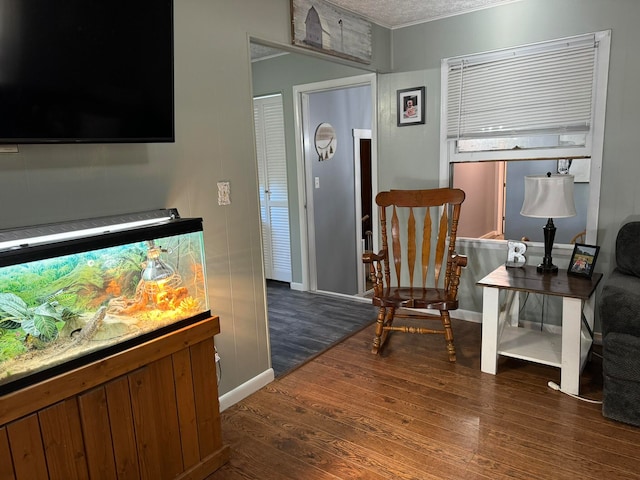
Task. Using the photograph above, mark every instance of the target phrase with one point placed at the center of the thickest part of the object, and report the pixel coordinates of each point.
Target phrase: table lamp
(548, 196)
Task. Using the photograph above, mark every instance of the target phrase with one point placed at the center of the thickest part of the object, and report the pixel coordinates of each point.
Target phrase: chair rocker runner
(412, 212)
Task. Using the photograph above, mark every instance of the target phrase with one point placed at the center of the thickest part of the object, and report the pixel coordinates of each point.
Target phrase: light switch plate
(224, 193)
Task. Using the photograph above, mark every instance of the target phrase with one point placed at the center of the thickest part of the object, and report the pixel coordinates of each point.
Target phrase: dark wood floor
(410, 414)
(303, 324)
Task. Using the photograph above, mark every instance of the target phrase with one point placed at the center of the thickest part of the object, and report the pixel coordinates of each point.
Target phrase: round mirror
(325, 141)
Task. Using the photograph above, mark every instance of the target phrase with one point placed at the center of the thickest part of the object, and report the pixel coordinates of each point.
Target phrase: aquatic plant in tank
(58, 309)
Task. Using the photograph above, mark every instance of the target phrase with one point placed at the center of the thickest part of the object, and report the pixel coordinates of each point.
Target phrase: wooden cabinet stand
(150, 412)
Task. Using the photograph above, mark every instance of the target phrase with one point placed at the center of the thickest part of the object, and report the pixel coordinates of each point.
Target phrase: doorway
(279, 70)
(330, 189)
(272, 186)
(364, 201)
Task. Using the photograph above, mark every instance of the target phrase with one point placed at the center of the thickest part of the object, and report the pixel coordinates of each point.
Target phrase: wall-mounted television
(78, 71)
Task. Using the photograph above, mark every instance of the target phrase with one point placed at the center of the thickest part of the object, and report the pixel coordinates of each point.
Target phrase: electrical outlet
(224, 193)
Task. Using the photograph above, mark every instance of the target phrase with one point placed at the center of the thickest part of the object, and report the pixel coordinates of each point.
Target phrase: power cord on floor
(555, 386)
(218, 363)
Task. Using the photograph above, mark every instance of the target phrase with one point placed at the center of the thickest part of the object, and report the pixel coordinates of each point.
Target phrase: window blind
(544, 88)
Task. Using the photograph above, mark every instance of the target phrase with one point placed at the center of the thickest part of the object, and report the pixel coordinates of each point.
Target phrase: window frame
(593, 148)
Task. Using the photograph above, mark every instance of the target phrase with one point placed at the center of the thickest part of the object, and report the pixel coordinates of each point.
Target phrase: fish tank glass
(71, 294)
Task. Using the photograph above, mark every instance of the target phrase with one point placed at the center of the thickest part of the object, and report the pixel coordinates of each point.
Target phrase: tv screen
(95, 71)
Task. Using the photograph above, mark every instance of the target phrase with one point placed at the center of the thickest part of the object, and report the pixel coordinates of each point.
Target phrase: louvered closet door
(272, 179)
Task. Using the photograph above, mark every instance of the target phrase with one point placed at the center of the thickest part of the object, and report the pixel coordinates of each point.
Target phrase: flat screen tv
(86, 71)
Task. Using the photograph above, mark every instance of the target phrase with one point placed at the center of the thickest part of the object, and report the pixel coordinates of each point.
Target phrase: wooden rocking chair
(410, 208)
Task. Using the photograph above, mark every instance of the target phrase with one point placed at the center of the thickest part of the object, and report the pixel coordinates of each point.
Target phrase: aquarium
(74, 293)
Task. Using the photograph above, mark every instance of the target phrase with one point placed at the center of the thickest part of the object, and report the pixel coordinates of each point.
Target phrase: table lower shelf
(531, 345)
(536, 346)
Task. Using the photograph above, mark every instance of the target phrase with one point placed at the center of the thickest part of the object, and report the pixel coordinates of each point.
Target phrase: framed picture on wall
(583, 260)
(580, 168)
(411, 106)
(321, 26)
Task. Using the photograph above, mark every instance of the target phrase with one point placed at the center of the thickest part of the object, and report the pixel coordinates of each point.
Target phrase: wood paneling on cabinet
(150, 412)
(6, 465)
(61, 432)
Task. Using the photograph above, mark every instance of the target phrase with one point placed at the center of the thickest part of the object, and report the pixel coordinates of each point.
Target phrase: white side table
(502, 336)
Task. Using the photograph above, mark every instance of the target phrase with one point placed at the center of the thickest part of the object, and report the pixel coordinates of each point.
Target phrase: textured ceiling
(401, 13)
(397, 13)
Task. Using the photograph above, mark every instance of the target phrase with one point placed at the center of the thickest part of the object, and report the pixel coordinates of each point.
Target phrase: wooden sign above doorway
(320, 26)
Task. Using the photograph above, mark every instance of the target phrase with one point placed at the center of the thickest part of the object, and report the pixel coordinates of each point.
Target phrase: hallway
(303, 324)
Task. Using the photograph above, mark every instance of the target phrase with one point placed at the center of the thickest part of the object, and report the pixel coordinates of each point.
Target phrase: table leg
(571, 342)
(588, 319)
(512, 308)
(490, 314)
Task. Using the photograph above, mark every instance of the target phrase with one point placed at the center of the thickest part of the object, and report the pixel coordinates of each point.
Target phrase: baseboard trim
(296, 286)
(247, 388)
(468, 315)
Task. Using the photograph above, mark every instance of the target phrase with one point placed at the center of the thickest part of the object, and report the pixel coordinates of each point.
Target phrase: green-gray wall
(214, 141)
(409, 157)
(417, 51)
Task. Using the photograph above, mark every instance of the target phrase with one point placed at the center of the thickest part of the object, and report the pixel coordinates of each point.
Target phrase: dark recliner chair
(620, 317)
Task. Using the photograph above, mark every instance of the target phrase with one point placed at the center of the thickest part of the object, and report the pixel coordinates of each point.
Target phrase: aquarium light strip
(57, 237)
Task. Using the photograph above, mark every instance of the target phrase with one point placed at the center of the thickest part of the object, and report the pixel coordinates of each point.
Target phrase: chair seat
(405, 297)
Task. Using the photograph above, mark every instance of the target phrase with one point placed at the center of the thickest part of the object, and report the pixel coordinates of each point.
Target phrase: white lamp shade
(548, 196)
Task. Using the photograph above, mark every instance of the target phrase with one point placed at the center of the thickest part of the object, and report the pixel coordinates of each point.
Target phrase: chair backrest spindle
(411, 245)
(426, 245)
(440, 245)
(395, 242)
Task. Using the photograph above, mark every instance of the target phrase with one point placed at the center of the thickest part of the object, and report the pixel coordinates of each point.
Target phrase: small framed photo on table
(583, 260)
(411, 106)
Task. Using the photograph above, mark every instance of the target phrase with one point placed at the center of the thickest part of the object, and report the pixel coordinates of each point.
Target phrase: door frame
(305, 181)
(360, 134)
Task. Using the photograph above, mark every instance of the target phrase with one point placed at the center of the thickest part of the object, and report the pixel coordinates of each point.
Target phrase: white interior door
(272, 184)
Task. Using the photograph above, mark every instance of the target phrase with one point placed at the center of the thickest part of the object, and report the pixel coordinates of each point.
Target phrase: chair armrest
(459, 260)
(452, 282)
(370, 257)
(376, 274)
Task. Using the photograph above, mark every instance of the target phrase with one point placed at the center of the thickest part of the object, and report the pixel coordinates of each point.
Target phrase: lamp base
(547, 265)
(543, 268)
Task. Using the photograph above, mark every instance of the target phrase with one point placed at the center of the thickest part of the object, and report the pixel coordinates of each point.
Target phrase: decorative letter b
(515, 257)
